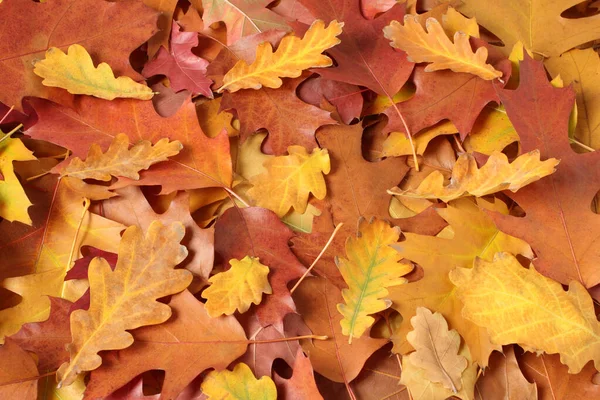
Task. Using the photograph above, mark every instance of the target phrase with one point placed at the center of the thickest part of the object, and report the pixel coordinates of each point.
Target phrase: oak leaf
(346, 98)
(165, 19)
(76, 73)
(16, 366)
(504, 379)
(496, 175)
(398, 144)
(491, 132)
(125, 298)
(238, 384)
(112, 30)
(237, 288)
(474, 235)
(302, 383)
(182, 342)
(120, 160)
(372, 266)
(184, 69)
(293, 55)
(290, 179)
(513, 302)
(433, 46)
(436, 349)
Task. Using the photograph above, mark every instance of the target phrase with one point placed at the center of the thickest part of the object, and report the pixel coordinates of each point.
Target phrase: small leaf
(76, 73)
(436, 349)
(290, 179)
(371, 267)
(289, 60)
(496, 175)
(237, 288)
(119, 160)
(519, 305)
(239, 384)
(434, 46)
(125, 298)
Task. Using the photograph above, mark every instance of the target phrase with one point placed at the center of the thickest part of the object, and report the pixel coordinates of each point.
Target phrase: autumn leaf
(517, 300)
(126, 297)
(161, 38)
(16, 366)
(372, 266)
(237, 288)
(433, 46)
(398, 144)
(468, 179)
(119, 160)
(290, 179)
(238, 384)
(436, 349)
(302, 383)
(76, 73)
(293, 55)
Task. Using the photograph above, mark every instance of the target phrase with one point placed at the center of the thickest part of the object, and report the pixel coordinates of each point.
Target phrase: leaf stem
(335, 231)
(7, 114)
(32, 378)
(234, 194)
(86, 206)
(289, 339)
(9, 134)
(583, 146)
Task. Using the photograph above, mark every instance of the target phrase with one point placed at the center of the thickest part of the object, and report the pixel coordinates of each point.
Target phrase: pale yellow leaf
(520, 305)
(239, 384)
(433, 46)
(237, 288)
(119, 160)
(397, 143)
(76, 73)
(290, 179)
(293, 55)
(496, 175)
(453, 22)
(125, 298)
(436, 349)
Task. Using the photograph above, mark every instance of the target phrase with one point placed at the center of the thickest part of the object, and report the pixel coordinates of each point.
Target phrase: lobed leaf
(238, 384)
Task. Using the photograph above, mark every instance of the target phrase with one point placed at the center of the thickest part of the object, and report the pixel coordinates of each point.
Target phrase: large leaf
(182, 343)
(469, 180)
(293, 55)
(125, 298)
(75, 72)
(433, 46)
(112, 30)
(17, 373)
(238, 384)
(371, 267)
(513, 303)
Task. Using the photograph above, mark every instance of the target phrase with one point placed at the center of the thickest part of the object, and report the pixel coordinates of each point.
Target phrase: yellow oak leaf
(125, 298)
(293, 55)
(397, 143)
(436, 349)
(453, 22)
(13, 200)
(239, 384)
(492, 132)
(290, 179)
(371, 267)
(433, 46)
(468, 179)
(474, 235)
(520, 305)
(76, 73)
(237, 288)
(119, 160)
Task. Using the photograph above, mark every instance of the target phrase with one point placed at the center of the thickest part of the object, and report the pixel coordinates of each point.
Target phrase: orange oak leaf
(16, 365)
(559, 224)
(161, 38)
(112, 30)
(302, 383)
(203, 162)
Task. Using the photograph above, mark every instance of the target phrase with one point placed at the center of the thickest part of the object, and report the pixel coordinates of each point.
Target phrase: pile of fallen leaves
(299, 199)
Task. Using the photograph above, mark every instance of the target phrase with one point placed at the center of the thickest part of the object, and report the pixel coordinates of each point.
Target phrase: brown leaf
(504, 379)
(302, 383)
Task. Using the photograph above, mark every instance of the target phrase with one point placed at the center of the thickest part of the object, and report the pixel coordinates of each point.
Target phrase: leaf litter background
(299, 199)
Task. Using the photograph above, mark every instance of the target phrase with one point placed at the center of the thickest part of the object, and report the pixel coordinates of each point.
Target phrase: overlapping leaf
(238, 384)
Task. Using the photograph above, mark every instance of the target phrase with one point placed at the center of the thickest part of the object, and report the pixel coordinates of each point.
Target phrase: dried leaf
(504, 380)
(238, 384)
(76, 73)
(16, 366)
(237, 288)
(302, 383)
(468, 179)
(513, 303)
(433, 46)
(126, 297)
(293, 55)
(371, 267)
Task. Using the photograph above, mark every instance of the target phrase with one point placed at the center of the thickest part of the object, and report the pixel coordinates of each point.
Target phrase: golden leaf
(496, 175)
(397, 143)
(453, 22)
(76, 73)
(436, 349)
(239, 384)
(290, 179)
(492, 132)
(237, 288)
(520, 305)
(434, 46)
(293, 55)
(13, 200)
(371, 267)
(119, 160)
(125, 298)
